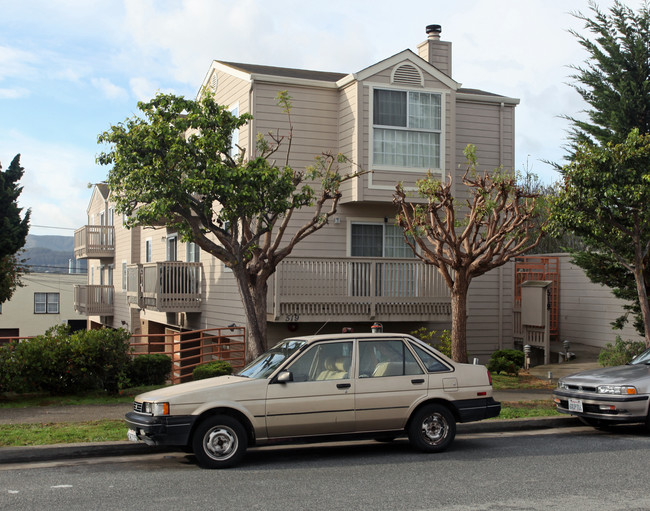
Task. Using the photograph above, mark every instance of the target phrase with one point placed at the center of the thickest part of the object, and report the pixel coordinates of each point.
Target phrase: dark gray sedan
(609, 395)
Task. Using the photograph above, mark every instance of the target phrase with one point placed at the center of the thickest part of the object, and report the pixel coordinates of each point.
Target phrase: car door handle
(417, 380)
(343, 385)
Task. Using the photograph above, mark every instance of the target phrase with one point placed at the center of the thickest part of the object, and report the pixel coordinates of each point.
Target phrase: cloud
(109, 89)
(17, 93)
(55, 180)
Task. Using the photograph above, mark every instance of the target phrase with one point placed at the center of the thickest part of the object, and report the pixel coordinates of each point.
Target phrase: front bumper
(165, 430)
(605, 407)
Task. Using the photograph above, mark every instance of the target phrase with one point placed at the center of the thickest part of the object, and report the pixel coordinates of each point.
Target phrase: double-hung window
(46, 303)
(407, 128)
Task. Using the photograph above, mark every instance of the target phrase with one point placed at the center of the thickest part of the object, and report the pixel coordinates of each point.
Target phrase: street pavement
(83, 413)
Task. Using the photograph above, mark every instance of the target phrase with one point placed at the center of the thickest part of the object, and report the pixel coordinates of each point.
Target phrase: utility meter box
(534, 302)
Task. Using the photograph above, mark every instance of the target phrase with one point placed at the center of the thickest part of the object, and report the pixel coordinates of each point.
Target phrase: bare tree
(495, 223)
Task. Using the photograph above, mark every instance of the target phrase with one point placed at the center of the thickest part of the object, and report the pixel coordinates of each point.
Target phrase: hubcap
(434, 429)
(220, 442)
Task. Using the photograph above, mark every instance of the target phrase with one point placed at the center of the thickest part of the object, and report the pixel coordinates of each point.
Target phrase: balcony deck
(357, 289)
(94, 300)
(170, 286)
(94, 242)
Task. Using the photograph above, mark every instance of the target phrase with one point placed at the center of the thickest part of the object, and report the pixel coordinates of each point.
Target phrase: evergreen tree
(13, 228)
(615, 82)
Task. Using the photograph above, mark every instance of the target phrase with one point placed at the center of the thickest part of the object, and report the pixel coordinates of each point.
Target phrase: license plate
(575, 405)
(131, 435)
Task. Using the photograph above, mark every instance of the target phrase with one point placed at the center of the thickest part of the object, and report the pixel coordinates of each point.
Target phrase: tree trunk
(459, 318)
(253, 297)
(643, 299)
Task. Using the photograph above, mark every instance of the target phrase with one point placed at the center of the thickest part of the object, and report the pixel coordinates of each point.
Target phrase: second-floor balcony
(357, 289)
(94, 300)
(94, 242)
(170, 286)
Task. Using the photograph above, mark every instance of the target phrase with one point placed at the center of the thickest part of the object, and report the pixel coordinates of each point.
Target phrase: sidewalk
(585, 359)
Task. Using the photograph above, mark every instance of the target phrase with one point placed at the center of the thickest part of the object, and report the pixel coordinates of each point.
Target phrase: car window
(323, 361)
(378, 359)
(432, 364)
(265, 364)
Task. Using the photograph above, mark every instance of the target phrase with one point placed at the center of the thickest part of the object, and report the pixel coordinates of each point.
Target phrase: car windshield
(643, 358)
(268, 362)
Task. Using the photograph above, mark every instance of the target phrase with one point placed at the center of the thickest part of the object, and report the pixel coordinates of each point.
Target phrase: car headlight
(156, 408)
(617, 389)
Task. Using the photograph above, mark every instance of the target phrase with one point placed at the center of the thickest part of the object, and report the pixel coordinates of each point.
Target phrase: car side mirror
(284, 377)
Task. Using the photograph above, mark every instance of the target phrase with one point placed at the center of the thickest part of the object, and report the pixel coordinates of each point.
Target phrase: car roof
(354, 335)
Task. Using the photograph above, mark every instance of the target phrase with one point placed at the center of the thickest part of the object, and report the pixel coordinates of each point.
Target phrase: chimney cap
(434, 29)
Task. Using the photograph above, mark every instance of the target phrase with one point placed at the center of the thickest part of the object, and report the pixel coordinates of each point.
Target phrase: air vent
(407, 74)
(214, 82)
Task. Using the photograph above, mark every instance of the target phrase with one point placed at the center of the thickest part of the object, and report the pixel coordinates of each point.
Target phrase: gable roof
(287, 72)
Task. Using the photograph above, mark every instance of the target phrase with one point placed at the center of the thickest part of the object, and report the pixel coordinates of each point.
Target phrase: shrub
(440, 342)
(212, 369)
(620, 353)
(507, 361)
(62, 363)
(150, 369)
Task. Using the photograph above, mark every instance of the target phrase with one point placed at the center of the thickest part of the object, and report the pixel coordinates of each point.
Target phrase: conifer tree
(13, 228)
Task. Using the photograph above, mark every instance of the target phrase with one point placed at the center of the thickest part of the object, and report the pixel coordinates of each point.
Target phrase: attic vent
(213, 82)
(407, 74)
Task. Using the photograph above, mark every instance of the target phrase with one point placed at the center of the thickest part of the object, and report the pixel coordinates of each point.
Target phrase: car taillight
(489, 378)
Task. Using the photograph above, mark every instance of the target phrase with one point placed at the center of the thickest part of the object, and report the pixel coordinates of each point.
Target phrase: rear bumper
(471, 410)
(171, 430)
(605, 407)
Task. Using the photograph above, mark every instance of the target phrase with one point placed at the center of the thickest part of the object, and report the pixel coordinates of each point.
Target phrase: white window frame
(352, 222)
(192, 252)
(234, 151)
(170, 237)
(372, 126)
(124, 274)
(148, 250)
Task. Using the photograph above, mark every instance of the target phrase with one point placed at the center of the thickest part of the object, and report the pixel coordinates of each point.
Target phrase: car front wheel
(432, 428)
(219, 442)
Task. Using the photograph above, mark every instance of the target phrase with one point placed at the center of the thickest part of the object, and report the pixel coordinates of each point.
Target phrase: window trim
(443, 133)
(371, 221)
(148, 250)
(47, 303)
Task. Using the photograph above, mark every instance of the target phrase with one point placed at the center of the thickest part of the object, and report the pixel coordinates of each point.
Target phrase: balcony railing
(170, 286)
(94, 300)
(94, 242)
(357, 289)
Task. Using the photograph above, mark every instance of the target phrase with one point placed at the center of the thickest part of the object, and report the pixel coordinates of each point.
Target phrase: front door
(320, 399)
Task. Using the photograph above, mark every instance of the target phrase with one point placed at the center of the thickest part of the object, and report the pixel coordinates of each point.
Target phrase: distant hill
(51, 254)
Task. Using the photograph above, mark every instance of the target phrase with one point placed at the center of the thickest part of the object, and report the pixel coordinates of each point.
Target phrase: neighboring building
(400, 118)
(45, 300)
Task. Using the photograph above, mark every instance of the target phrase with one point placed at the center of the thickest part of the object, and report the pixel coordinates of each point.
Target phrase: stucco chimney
(435, 51)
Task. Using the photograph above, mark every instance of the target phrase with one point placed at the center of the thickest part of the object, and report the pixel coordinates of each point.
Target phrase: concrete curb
(40, 453)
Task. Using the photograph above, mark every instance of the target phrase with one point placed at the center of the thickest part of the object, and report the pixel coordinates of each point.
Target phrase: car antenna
(318, 331)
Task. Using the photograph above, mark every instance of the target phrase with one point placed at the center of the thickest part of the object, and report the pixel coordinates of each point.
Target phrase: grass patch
(525, 409)
(17, 435)
(91, 398)
(521, 382)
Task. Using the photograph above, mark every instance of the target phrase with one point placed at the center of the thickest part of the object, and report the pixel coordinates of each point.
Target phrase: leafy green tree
(177, 165)
(614, 82)
(466, 238)
(13, 228)
(604, 199)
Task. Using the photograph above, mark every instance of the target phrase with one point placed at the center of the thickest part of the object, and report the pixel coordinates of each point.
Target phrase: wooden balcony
(94, 242)
(170, 286)
(94, 300)
(357, 289)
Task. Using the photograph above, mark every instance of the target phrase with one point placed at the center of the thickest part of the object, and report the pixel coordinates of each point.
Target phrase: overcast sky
(71, 68)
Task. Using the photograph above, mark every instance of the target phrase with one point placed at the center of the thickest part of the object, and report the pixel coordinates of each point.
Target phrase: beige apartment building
(398, 118)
